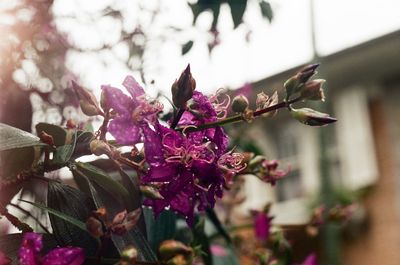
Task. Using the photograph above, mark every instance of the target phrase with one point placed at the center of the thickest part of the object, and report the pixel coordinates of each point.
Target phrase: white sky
(272, 48)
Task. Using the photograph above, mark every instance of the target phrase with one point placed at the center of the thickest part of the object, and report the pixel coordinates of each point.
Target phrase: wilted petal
(64, 256)
(124, 132)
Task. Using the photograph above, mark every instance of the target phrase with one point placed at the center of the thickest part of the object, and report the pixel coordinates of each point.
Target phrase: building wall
(381, 241)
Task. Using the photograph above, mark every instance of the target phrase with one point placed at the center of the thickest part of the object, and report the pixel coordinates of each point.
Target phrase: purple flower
(262, 225)
(29, 253)
(131, 111)
(186, 171)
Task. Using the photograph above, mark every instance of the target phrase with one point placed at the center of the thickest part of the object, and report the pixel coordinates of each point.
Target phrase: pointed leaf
(237, 11)
(161, 228)
(101, 178)
(266, 10)
(186, 47)
(59, 214)
(11, 138)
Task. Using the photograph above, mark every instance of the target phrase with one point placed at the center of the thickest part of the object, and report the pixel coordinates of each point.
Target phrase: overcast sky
(284, 43)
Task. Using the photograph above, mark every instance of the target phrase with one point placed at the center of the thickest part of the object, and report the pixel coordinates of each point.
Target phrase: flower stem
(177, 118)
(103, 128)
(239, 118)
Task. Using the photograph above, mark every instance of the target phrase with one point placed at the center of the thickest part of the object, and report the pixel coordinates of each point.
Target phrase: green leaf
(81, 225)
(73, 203)
(201, 239)
(98, 176)
(161, 228)
(237, 11)
(266, 10)
(103, 198)
(58, 133)
(12, 138)
(186, 47)
(63, 153)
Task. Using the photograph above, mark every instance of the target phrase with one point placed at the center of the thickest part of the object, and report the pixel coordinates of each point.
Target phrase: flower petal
(161, 173)
(118, 101)
(64, 256)
(125, 132)
(133, 87)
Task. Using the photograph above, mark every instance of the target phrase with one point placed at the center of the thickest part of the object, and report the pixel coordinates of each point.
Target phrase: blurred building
(363, 84)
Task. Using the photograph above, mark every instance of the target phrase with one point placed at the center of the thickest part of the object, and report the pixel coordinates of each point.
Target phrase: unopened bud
(123, 222)
(170, 248)
(311, 117)
(46, 138)
(101, 213)
(71, 124)
(180, 260)
(150, 192)
(129, 256)
(98, 148)
(182, 89)
(240, 103)
(94, 227)
(296, 82)
(103, 100)
(87, 101)
(313, 90)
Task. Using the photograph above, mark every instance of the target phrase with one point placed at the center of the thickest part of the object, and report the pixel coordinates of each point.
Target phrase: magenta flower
(29, 253)
(310, 260)
(185, 167)
(270, 173)
(132, 112)
(186, 171)
(262, 225)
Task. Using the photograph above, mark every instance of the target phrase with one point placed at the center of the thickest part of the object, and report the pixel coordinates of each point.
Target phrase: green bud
(129, 256)
(150, 192)
(311, 117)
(294, 84)
(240, 103)
(170, 248)
(98, 148)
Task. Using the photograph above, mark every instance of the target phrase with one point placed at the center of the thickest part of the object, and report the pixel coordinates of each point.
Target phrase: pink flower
(29, 253)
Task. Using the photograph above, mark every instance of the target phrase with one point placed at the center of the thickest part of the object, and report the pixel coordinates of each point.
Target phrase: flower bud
(98, 148)
(313, 90)
(123, 222)
(296, 82)
(311, 117)
(87, 101)
(171, 248)
(150, 192)
(129, 256)
(46, 138)
(240, 103)
(180, 260)
(94, 227)
(182, 89)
